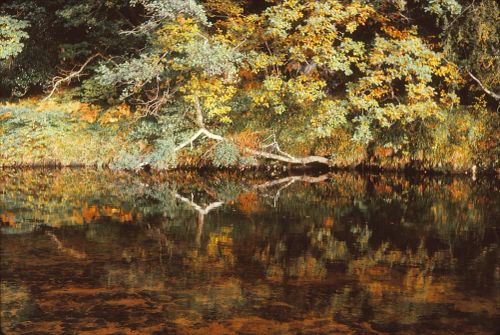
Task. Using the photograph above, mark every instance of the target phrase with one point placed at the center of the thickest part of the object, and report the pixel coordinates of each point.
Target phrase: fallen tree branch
(281, 156)
(276, 146)
(286, 158)
(490, 93)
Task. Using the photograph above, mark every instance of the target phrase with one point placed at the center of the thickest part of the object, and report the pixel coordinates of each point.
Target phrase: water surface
(99, 252)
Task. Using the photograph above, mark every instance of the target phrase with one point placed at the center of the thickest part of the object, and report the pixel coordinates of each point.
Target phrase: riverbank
(69, 133)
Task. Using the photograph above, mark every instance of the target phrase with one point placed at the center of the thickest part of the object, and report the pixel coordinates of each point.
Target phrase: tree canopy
(397, 82)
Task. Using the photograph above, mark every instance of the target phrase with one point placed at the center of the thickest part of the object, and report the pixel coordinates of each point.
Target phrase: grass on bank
(68, 132)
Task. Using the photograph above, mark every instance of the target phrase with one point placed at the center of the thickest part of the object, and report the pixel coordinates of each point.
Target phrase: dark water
(89, 252)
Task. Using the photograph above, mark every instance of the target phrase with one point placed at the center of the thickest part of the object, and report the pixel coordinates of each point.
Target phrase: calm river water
(100, 252)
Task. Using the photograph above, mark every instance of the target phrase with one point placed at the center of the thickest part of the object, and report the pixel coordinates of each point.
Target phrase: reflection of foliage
(448, 213)
(35, 197)
(362, 235)
(14, 304)
(392, 239)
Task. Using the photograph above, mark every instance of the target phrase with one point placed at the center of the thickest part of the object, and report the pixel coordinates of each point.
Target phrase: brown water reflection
(93, 252)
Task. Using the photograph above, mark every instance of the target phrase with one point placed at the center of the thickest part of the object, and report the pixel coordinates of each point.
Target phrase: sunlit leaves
(164, 11)
(62, 134)
(210, 95)
(12, 32)
(229, 8)
(443, 7)
(397, 85)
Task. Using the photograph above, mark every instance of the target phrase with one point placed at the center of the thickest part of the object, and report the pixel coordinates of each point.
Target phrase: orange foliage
(396, 33)
(93, 212)
(8, 218)
(246, 139)
(90, 213)
(117, 113)
(383, 189)
(328, 221)
(246, 74)
(88, 113)
(383, 152)
(249, 203)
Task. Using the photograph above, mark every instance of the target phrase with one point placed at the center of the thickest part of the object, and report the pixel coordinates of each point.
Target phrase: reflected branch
(68, 251)
(202, 210)
(287, 181)
(284, 182)
(292, 179)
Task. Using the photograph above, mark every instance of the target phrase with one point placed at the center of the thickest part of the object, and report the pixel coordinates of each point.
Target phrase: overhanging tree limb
(286, 158)
(281, 156)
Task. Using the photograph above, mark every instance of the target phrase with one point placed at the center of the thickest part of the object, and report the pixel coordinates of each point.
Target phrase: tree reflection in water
(102, 252)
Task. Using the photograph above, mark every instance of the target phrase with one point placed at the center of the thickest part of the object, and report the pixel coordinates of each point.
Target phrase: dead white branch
(274, 144)
(57, 81)
(281, 156)
(193, 138)
(484, 88)
(286, 158)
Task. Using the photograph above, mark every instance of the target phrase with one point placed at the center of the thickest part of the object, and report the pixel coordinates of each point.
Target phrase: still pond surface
(99, 252)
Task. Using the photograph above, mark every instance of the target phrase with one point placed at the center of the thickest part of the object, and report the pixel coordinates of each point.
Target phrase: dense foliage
(387, 83)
